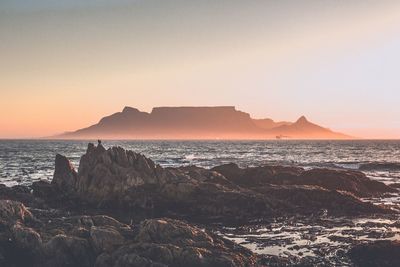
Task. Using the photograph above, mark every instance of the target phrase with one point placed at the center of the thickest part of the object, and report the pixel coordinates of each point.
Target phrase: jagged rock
(121, 179)
(107, 174)
(383, 253)
(126, 180)
(65, 176)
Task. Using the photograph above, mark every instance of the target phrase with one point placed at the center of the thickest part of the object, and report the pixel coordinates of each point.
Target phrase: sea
(26, 161)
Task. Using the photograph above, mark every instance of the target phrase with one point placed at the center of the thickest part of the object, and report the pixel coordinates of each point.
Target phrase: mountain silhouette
(304, 129)
(221, 122)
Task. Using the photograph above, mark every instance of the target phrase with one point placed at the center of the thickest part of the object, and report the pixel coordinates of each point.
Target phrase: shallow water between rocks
(322, 240)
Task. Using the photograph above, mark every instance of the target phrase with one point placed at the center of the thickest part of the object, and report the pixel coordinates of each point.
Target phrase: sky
(65, 64)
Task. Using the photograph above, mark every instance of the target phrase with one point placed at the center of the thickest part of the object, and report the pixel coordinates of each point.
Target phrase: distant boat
(279, 137)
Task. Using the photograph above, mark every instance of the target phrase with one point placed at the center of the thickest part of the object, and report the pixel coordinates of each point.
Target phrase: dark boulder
(105, 238)
(353, 182)
(382, 253)
(26, 238)
(20, 193)
(255, 176)
(68, 251)
(310, 199)
(166, 242)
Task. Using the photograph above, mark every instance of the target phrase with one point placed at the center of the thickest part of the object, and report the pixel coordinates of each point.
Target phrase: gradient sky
(64, 64)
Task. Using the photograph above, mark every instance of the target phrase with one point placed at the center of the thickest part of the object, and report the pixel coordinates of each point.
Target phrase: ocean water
(25, 161)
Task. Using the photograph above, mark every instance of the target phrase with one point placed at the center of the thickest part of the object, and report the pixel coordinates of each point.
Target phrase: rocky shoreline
(121, 209)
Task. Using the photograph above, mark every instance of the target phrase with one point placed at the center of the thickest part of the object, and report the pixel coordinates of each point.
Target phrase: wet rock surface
(121, 209)
(380, 253)
(312, 241)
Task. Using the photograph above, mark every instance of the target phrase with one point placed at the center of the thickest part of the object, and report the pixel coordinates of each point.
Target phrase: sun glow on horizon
(65, 65)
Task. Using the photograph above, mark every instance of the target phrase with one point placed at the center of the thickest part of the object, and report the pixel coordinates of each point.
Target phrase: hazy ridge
(221, 122)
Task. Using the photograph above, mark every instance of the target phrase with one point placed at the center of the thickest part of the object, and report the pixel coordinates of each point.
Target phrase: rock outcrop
(166, 242)
(353, 182)
(103, 241)
(127, 180)
(65, 176)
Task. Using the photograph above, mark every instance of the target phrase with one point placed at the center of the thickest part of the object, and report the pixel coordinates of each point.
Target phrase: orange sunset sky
(65, 64)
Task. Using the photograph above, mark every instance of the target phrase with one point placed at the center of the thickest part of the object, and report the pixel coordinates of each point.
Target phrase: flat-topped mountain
(222, 122)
